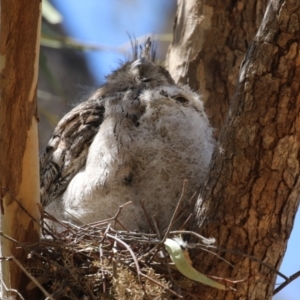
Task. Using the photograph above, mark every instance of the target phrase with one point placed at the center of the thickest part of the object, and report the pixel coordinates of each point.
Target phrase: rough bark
(251, 197)
(210, 40)
(19, 171)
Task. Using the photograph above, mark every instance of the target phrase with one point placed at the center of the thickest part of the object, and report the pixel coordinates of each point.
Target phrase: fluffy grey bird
(135, 139)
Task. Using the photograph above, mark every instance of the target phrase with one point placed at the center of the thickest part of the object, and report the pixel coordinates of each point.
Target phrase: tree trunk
(251, 197)
(19, 171)
(210, 40)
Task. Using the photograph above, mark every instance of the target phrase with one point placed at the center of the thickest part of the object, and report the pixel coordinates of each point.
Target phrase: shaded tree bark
(19, 171)
(251, 197)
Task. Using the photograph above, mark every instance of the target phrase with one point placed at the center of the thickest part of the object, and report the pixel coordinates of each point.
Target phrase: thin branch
(32, 278)
(147, 215)
(175, 211)
(131, 252)
(166, 288)
(287, 282)
(11, 290)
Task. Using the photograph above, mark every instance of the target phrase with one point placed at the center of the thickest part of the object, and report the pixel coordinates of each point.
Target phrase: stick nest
(95, 261)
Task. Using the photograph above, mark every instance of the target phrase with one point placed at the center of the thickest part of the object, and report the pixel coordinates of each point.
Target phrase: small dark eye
(181, 99)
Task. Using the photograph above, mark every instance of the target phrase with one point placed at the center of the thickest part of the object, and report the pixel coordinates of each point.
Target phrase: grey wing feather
(67, 149)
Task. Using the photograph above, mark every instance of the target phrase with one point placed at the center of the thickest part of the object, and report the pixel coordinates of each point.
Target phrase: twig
(250, 257)
(211, 240)
(10, 238)
(131, 252)
(21, 205)
(166, 288)
(186, 222)
(147, 215)
(11, 290)
(205, 240)
(285, 283)
(165, 256)
(102, 271)
(32, 278)
(175, 211)
(218, 256)
(115, 217)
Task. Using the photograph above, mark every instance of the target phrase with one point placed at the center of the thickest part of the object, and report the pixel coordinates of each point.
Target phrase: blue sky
(108, 23)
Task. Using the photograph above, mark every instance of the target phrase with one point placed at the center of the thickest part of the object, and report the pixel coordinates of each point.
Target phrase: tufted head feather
(139, 73)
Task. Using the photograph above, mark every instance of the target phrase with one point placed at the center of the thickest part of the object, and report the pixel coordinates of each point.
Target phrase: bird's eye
(181, 99)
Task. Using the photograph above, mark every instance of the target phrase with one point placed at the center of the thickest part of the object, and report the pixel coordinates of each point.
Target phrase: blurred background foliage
(66, 76)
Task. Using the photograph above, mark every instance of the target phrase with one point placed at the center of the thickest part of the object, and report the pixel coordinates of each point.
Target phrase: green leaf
(185, 268)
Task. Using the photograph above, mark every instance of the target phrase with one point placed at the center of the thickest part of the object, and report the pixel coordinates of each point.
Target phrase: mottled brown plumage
(137, 138)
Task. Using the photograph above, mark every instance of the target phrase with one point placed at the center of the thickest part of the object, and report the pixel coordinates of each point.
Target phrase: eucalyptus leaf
(183, 266)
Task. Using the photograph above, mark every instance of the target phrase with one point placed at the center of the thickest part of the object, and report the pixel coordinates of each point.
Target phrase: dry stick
(133, 233)
(10, 238)
(185, 222)
(49, 230)
(71, 215)
(127, 233)
(102, 271)
(191, 201)
(21, 205)
(105, 233)
(5, 258)
(219, 257)
(169, 227)
(32, 278)
(205, 240)
(46, 215)
(11, 290)
(158, 283)
(250, 257)
(114, 218)
(92, 293)
(148, 253)
(165, 256)
(147, 216)
(209, 241)
(288, 281)
(131, 252)
(175, 211)
(154, 281)
(42, 212)
(101, 257)
(201, 246)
